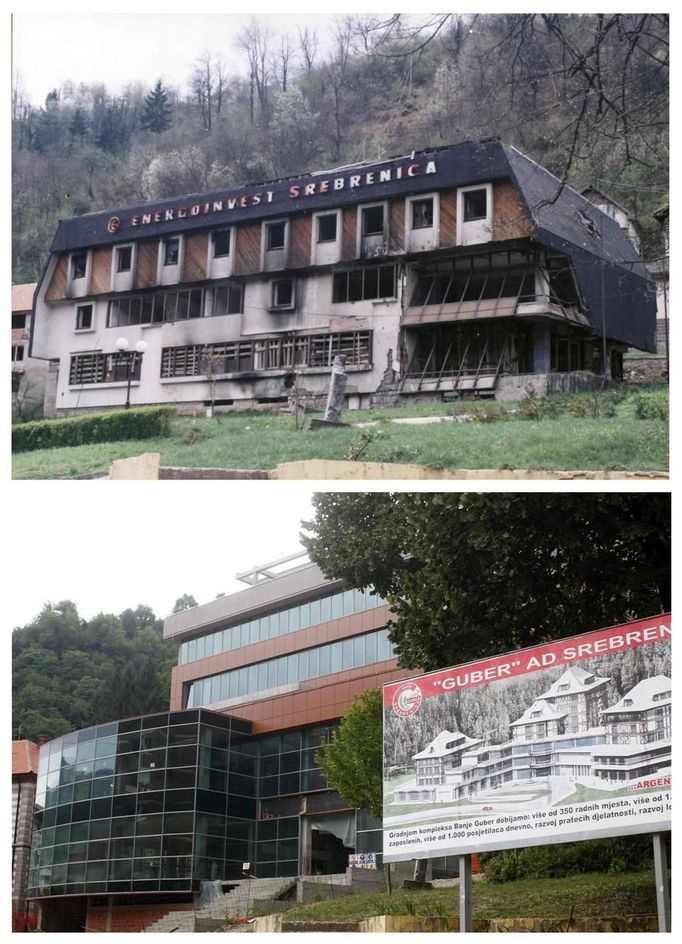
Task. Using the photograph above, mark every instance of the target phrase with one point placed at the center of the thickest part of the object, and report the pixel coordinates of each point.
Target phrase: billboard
(563, 741)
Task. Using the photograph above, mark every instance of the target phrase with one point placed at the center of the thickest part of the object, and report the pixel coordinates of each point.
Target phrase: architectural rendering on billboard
(567, 740)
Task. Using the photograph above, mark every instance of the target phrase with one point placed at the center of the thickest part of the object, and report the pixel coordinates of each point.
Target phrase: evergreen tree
(158, 112)
(78, 127)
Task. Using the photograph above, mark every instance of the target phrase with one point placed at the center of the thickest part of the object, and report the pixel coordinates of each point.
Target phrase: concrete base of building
(517, 386)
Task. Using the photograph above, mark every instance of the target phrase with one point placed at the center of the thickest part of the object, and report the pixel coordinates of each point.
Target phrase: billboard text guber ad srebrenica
(563, 741)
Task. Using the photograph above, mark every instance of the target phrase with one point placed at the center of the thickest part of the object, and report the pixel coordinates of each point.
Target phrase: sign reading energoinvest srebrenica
(564, 741)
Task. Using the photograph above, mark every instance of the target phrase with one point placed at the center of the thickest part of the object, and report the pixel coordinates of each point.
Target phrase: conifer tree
(158, 112)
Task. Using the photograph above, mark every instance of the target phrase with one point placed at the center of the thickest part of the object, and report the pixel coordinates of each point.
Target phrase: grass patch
(594, 894)
(258, 440)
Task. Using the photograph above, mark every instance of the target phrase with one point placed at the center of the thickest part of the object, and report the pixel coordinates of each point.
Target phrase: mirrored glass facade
(153, 803)
(282, 621)
(350, 653)
(161, 802)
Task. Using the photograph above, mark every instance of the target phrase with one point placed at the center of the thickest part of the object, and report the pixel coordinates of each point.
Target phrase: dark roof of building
(24, 758)
(561, 212)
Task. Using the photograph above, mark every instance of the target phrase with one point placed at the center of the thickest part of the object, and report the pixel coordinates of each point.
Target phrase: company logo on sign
(407, 699)
(114, 224)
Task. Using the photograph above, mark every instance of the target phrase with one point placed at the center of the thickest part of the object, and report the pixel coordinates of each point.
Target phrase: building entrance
(327, 841)
(329, 856)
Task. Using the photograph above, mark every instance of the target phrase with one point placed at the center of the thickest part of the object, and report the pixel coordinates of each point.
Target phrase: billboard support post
(662, 888)
(465, 906)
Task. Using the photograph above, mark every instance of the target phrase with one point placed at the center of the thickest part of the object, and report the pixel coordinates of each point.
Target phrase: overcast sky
(123, 48)
(144, 41)
(111, 546)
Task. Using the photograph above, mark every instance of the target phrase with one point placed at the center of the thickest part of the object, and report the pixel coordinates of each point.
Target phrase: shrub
(487, 413)
(621, 854)
(531, 407)
(654, 407)
(577, 405)
(142, 423)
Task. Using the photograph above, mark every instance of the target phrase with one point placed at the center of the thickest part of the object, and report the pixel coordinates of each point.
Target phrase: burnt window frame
(467, 194)
(104, 368)
(361, 276)
(167, 242)
(365, 211)
(78, 265)
(119, 255)
(275, 288)
(270, 228)
(319, 239)
(234, 291)
(268, 353)
(414, 203)
(225, 232)
(80, 311)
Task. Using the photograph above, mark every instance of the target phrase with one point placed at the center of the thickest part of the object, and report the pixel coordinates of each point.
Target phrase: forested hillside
(68, 672)
(586, 96)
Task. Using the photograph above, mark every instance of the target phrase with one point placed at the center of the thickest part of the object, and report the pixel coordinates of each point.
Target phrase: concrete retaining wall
(334, 469)
(399, 924)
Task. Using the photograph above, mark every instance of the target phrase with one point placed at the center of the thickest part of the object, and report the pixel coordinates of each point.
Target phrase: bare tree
(598, 83)
(282, 61)
(255, 41)
(307, 44)
(335, 72)
(209, 85)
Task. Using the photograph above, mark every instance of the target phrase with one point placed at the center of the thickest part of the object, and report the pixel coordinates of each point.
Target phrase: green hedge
(620, 854)
(143, 423)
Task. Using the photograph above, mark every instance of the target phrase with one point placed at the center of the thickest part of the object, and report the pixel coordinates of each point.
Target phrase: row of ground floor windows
(227, 357)
(436, 349)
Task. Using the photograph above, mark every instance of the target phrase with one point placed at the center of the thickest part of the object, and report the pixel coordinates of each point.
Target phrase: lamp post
(122, 345)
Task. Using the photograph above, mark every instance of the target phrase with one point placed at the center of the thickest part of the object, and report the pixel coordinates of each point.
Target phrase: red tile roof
(24, 757)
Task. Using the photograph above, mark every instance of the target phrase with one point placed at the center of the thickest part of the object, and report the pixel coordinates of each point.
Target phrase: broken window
(562, 283)
(422, 213)
(275, 235)
(96, 367)
(274, 353)
(171, 251)
(365, 284)
(79, 264)
(221, 243)
(228, 299)
(567, 349)
(373, 220)
(124, 258)
(471, 278)
(83, 317)
(283, 293)
(326, 228)
(475, 204)
(156, 308)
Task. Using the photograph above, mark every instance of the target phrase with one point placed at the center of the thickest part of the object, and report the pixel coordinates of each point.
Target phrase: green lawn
(263, 440)
(595, 894)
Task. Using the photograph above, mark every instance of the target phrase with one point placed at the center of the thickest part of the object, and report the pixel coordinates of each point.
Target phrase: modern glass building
(148, 804)
(138, 812)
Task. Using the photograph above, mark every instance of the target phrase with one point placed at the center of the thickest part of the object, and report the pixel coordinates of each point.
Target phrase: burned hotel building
(461, 269)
